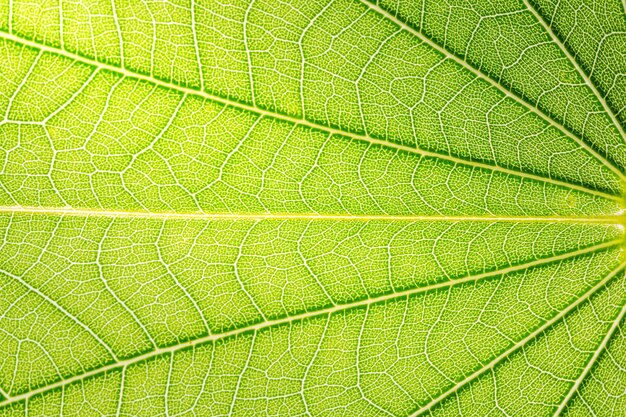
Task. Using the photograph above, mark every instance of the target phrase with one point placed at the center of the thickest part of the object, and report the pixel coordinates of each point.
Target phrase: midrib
(327, 311)
(321, 127)
(617, 219)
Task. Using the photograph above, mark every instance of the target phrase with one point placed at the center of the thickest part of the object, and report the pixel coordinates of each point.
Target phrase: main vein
(318, 126)
(617, 219)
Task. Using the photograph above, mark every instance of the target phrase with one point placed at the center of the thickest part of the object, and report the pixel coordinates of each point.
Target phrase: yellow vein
(591, 362)
(519, 344)
(488, 79)
(617, 219)
(582, 73)
(291, 119)
(321, 312)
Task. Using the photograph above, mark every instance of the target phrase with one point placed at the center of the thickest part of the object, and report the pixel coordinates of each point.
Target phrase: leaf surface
(344, 207)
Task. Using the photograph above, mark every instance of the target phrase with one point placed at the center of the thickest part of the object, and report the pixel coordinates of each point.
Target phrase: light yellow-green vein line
(617, 219)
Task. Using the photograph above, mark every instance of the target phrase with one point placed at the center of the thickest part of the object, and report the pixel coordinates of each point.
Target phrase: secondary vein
(321, 127)
(325, 311)
(518, 345)
(592, 361)
(488, 79)
(579, 69)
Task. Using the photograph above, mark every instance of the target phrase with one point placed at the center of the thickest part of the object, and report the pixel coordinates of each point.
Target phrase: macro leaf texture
(312, 208)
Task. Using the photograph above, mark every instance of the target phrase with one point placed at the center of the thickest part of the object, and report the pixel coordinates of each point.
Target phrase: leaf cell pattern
(312, 208)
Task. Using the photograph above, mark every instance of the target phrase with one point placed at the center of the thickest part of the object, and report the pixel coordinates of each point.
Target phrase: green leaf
(334, 208)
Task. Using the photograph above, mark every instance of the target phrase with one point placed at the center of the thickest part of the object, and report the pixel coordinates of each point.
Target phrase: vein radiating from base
(312, 208)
